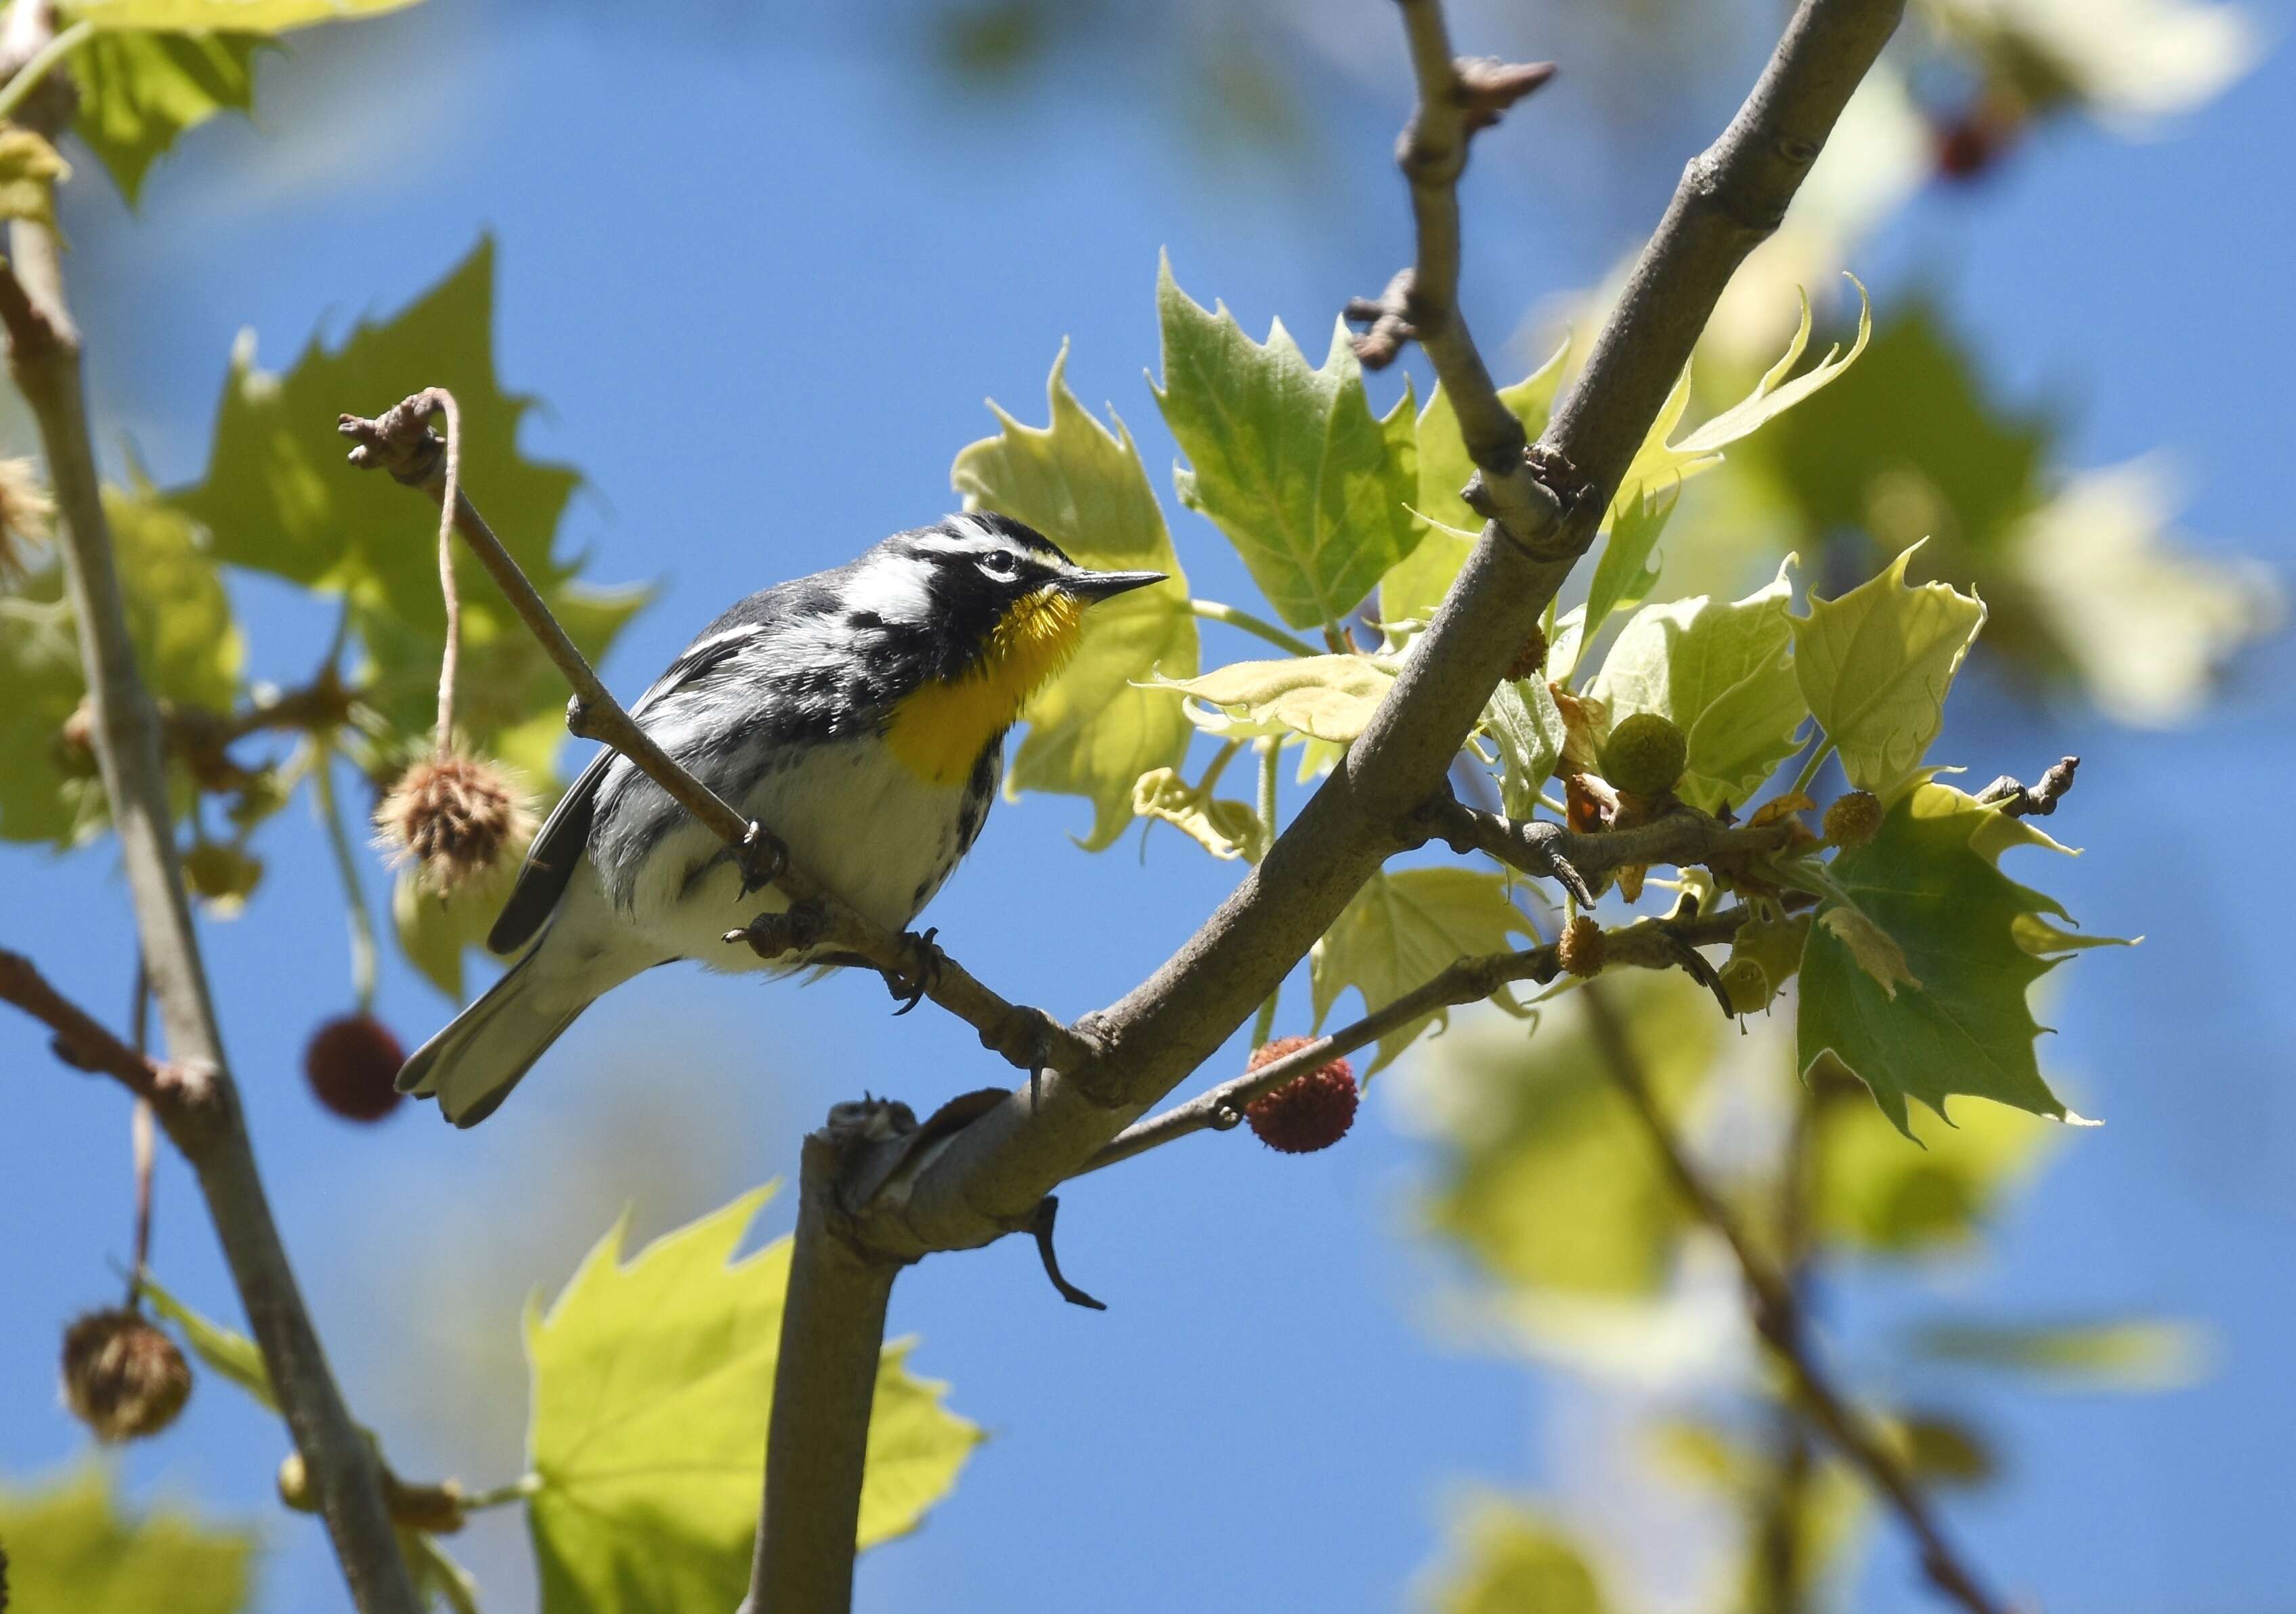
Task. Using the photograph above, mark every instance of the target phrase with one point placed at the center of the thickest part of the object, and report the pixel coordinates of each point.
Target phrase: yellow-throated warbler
(859, 714)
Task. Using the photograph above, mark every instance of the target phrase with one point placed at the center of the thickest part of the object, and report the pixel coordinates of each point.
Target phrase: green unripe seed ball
(1644, 754)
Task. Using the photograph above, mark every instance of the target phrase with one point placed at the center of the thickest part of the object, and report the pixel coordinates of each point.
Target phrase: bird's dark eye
(999, 563)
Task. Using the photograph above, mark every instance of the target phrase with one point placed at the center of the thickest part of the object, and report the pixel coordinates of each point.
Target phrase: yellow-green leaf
(1225, 829)
(1400, 932)
(2140, 1353)
(1507, 1559)
(1312, 489)
(1323, 697)
(1930, 880)
(30, 170)
(652, 1385)
(1870, 944)
(138, 92)
(1724, 675)
(1876, 665)
(1091, 731)
(1547, 1178)
(1527, 727)
(225, 1350)
(223, 16)
(70, 1548)
(1873, 1193)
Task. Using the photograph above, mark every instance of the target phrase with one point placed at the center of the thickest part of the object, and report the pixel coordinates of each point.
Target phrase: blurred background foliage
(1566, 1250)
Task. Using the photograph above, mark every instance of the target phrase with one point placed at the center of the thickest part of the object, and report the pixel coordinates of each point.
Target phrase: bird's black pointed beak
(1096, 585)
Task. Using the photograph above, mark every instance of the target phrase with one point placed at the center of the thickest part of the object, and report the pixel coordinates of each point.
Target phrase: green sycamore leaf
(1876, 665)
(1092, 732)
(1526, 726)
(1312, 489)
(1660, 464)
(1547, 1179)
(652, 1384)
(435, 933)
(1624, 574)
(30, 171)
(1414, 586)
(1508, 1559)
(1724, 675)
(69, 1547)
(1930, 880)
(1400, 932)
(1874, 1194)
(2141, 1353)
(187, 645)
(1328, 698)
(138, 92)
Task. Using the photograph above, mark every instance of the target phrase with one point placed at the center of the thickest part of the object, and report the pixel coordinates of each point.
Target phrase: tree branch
(825, 1380)
(1578, 860)
(992, 1173)
(45, 358)
(1647, 944)
(401, 441)
(1783, 1325)
(82, 1042)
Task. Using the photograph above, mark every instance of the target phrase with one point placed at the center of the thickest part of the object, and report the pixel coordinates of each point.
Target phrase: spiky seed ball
(1854, 819)
(1644, 754)
(454, 817)
(123, 1377)
(1531, 659)
(352, 1065)
(28, 515)
(1582, 945)
(1311, 1112)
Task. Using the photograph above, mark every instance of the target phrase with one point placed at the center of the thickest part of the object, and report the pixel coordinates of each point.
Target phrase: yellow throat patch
(938, 730)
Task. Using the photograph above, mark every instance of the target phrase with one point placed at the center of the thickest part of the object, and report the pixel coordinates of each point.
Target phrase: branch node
(2036, 800)
(1388, 319)
(1040, 1227)
(1486, 88)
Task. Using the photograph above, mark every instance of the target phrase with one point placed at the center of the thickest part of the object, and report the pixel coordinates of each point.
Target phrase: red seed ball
(352, 1065)
(1313, 1111)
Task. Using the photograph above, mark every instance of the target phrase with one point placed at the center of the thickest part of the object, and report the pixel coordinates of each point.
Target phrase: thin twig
(1779, 1319)
(1647, 944)
(450, 657)
(401, 442)
(1455, 99)
(1578, 860)
(142, 1144)
(82, 1042)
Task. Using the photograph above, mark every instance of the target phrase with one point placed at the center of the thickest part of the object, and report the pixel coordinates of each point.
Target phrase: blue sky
(763, 282)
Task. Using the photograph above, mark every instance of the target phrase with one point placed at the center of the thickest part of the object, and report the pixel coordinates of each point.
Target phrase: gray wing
(566, 833)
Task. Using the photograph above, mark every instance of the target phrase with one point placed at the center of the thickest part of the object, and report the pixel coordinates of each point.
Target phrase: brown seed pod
(123, 1377)
(1854, 819)
(1313, 1111)
(454, 817)
(352, 1063)
(1580, 949)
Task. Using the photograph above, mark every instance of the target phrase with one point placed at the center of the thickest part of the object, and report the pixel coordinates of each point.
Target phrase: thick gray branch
(994, 1172)
(45, 358)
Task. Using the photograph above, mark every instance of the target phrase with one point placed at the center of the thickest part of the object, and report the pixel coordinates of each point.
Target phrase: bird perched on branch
(859, 714)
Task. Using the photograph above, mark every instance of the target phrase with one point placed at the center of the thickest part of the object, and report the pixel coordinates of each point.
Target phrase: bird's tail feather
(471, 1067)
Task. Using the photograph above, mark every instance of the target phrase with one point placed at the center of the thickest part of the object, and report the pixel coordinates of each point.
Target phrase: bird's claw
(761, 857)
(912, 985)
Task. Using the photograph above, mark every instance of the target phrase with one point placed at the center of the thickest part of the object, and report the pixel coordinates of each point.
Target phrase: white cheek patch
(894, 589)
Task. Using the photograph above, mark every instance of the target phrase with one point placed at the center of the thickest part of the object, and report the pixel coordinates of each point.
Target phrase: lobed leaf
(1400, 932)
(1874, 667)
(1872, 1193)
(1527, 726)
(653, 1381)
(1724, 675)
(1312, 489)
(69, 1547)
(1328, 698)
(1092, 732)
(1930, 880)
(139, 92)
